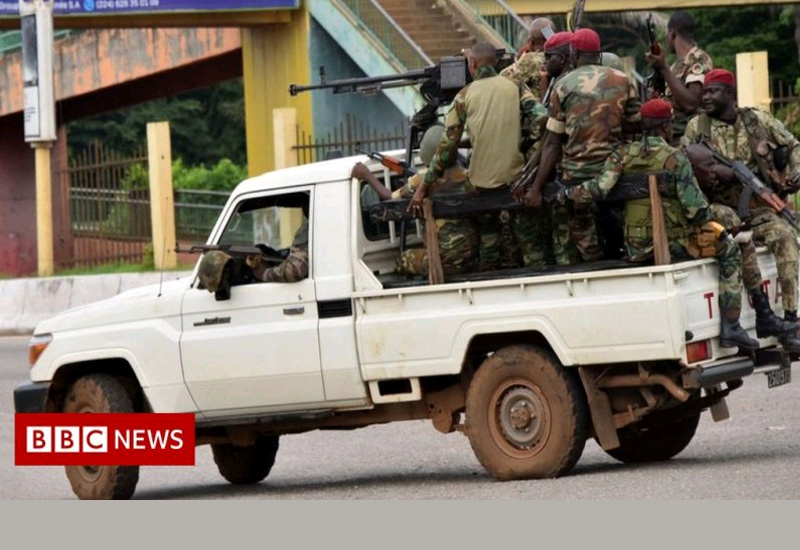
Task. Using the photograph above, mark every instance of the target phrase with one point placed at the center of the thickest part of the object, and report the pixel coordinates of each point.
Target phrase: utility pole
(36, 17)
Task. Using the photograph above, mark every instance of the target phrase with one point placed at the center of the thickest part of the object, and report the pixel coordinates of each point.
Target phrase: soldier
(685, 77)
(458, 237)
(587, 109)
(294, 267)
(753, 137)
(688, 218)
(493, 111)
(557, 57)
(527, 69)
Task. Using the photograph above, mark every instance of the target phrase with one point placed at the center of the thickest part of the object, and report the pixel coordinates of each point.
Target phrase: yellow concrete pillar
(162, 202)
(274, 56)
(752, 80)
(284, 123)
(44, 210)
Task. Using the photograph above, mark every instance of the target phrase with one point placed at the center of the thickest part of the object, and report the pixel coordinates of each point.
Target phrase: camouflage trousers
(779, 237)
(729, 260)
(514, 239)
(458, 249)
(574, 231)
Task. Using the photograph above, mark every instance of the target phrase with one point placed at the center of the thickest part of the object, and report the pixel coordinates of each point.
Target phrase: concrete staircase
(434, 29)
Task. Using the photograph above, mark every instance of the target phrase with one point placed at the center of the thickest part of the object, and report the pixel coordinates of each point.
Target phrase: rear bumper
(31, 397)
(712, 374)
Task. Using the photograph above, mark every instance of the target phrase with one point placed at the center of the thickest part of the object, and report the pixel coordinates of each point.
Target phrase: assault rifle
(656, 80)
(397, 166)
(752, 185)
(576, 15)
(267, 253)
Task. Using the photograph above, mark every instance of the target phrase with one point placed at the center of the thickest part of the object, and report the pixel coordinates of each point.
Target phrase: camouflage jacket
(588, 105)
(684, 192)
(691, 68)
(496, 128)
(526, 70)
(732, 141)
(295, 266)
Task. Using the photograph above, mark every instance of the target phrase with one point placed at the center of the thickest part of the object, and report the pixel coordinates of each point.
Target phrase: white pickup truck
(527, 364)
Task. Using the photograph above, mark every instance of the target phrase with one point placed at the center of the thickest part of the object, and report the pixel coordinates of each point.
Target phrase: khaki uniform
(769, 229)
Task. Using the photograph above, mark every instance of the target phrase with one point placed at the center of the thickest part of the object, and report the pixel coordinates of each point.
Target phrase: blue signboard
(123, 7)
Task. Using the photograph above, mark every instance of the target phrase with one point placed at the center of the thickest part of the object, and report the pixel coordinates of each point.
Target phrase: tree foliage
(206, 126)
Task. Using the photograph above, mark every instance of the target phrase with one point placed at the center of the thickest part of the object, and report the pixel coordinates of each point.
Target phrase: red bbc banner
(118, 439)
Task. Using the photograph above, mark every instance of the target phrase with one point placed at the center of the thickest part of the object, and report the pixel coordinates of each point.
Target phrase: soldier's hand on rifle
(533, 198)
(360, 171)
(656, 60)
(415, 206)
(792, 183)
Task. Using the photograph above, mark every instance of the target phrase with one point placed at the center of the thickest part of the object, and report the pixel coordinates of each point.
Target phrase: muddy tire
(526, 416)
(246, 465)
(100, 393)
(656, 443)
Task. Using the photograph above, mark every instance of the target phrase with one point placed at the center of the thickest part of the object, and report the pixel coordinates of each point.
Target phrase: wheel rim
(519, 418)
(89, 474)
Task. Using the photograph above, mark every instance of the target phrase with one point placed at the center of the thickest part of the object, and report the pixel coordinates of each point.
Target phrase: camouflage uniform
(769, 229)
(294, 267)
(527, 70)
(458, 237)
(498, 116)
(587, 105)
(685, 211)
(691, 68)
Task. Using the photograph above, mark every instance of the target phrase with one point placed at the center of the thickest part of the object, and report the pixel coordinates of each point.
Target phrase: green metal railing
(499, 15)
(12, 40)
(380, 25)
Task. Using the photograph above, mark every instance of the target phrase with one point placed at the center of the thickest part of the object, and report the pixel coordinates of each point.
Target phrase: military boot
(732, 335)
(790, 342)
(767, 323)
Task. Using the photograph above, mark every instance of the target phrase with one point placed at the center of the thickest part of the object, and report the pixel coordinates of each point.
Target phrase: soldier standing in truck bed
(494, 112)
(529, 68)
(587, 109)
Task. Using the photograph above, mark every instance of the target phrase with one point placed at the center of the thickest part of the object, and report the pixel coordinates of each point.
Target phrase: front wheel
(655, 443)
(245, 465)
(526, 416)
(100, 393)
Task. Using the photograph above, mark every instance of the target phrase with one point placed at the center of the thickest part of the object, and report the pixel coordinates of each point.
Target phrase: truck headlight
(36, 347)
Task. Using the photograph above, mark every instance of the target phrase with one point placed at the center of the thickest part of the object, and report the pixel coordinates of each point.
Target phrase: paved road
(754, 455)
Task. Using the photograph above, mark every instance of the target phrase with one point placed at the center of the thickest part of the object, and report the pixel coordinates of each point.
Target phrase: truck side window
(379, 231)
(278, 224)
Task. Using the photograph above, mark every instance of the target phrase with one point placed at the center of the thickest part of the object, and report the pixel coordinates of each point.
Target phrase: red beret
(657, 108)
(720, 76)
(586, 40)
(558, 40)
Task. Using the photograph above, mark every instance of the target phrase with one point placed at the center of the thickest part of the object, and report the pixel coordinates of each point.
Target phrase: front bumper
(31, 397)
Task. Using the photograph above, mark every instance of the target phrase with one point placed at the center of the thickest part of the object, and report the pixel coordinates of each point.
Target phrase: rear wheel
(248, 464)
(655, 443)
(100, 393)
(526, 416)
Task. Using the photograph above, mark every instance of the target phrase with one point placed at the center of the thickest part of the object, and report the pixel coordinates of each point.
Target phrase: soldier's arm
(551, 150)
(598, 188)
(693, 201)
(534, 116)
(293, 268)
(447, 152)
(783, 137)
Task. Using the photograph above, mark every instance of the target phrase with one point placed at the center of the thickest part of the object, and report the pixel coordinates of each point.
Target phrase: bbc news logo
(104, 439)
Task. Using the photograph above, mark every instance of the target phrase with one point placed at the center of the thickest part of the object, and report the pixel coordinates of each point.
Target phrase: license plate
(779, 377)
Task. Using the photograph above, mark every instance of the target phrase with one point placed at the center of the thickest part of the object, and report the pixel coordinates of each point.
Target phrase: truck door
(258, 350)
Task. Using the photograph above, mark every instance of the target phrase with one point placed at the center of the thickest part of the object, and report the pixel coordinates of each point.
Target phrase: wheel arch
(68, 373)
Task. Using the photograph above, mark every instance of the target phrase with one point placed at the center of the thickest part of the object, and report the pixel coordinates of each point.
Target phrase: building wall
(329, 109)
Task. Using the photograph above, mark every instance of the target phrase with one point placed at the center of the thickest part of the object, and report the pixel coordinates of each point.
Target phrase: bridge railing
(505, 22)
(377, 23)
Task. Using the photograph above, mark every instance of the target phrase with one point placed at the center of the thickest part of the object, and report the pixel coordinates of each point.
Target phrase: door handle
(299, 310)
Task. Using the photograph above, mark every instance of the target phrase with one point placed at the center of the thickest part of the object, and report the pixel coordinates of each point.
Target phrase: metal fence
(109, 206)
(196, 212)
(346, 139)
(504, 20)
(782, 93)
